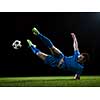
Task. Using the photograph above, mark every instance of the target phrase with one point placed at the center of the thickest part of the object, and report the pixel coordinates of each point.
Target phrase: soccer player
(73, 63)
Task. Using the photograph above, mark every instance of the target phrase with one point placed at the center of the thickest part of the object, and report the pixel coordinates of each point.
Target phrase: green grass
(58, 81)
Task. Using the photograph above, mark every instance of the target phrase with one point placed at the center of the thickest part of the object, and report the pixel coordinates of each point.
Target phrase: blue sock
(45, 40)
(35, 50)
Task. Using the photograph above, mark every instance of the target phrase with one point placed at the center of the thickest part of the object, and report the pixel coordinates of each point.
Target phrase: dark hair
(86, 57)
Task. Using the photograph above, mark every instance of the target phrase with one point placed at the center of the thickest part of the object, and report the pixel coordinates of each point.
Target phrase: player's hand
(73, 35)
(77, 77)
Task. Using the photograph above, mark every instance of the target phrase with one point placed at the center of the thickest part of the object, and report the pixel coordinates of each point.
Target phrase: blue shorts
(53, 60)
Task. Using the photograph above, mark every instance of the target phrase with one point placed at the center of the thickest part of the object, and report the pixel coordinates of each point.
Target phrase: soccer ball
(17, 44)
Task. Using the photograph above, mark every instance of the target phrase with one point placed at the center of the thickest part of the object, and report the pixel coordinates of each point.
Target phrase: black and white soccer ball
(17, 44)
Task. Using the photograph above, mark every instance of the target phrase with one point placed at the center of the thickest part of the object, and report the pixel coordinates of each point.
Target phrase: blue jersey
(72, 64)
(69, 62)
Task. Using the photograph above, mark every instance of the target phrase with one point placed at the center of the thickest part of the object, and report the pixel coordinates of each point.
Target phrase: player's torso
(71, 64)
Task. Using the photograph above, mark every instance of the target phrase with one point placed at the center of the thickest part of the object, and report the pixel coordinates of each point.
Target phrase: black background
(57, 27)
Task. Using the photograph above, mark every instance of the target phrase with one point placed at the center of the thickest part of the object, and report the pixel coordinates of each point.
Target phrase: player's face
(80, 58)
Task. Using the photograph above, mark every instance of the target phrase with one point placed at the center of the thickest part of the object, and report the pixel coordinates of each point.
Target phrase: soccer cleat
(30, 43)
(35, 31)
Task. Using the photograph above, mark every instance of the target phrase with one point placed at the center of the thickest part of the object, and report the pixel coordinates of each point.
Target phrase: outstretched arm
(75, 42)
(75, 45)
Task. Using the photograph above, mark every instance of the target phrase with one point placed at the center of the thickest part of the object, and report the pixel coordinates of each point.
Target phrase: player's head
(83, 57)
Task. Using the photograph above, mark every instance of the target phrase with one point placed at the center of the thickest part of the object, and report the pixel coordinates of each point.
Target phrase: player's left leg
(48, 59)
(36, 51)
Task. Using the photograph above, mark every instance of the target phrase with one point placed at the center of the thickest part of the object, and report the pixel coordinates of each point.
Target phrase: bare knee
(55, 51)
(42, 55)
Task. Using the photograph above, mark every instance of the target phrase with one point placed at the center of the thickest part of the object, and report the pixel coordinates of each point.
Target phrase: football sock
(45, 40)
(35, 50)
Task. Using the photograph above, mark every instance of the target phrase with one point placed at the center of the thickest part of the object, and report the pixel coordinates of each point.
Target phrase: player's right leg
(55, 51)
(47, 42)
(36, 51)
(48, 59)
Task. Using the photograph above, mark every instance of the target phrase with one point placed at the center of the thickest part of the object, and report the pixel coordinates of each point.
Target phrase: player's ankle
(30, 43)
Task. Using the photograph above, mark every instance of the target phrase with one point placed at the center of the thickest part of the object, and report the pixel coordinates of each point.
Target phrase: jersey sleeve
(76, 54)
